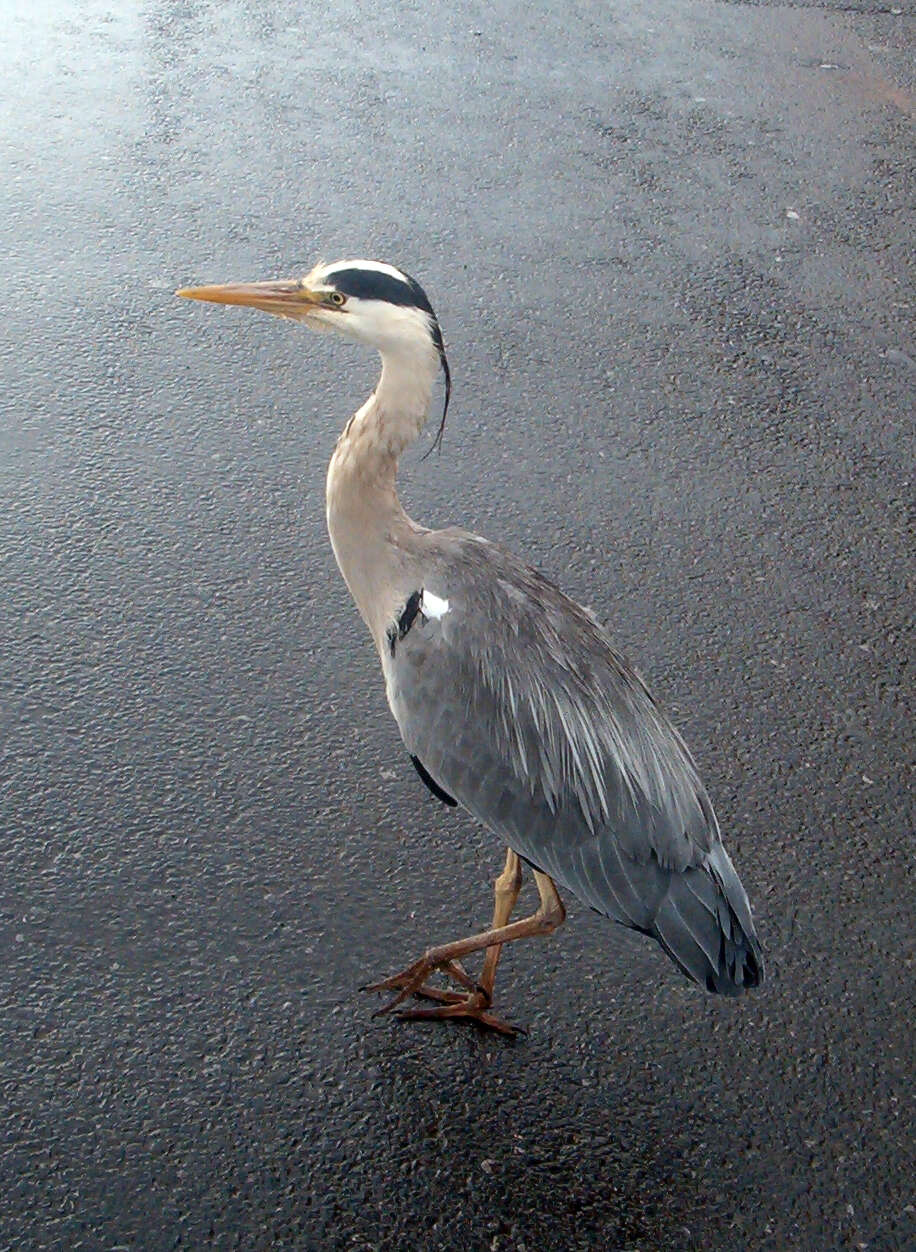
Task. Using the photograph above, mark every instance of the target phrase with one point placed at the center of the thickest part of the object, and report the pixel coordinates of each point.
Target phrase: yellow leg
(505, 891)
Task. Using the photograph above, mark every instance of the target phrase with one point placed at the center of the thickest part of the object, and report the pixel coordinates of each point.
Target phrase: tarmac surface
(671, 247)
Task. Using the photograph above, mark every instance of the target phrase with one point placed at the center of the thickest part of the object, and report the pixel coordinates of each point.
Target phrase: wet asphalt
(671, 248)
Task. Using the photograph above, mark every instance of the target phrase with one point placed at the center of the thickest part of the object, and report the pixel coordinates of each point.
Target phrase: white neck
(370, 532)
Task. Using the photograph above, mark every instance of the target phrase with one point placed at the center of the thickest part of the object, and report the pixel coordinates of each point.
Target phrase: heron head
(369, 301)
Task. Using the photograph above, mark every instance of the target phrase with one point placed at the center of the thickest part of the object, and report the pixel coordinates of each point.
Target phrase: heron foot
(473, 1004)
(446, 956)
(470, 1008)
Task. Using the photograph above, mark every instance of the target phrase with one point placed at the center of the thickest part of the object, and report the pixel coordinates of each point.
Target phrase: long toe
(441, 994)
(452, 969)
(407, 978)
(469, 1009)
(426, 991)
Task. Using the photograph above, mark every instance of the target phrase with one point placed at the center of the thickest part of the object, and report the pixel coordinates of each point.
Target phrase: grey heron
(510, 698)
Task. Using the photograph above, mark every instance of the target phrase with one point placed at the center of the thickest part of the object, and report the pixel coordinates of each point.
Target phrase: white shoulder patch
(432, 605)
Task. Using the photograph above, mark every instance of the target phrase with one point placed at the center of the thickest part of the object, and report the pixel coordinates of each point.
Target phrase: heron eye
(338, 298)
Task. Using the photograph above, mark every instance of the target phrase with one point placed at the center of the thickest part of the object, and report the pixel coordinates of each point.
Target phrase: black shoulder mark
(398, 630)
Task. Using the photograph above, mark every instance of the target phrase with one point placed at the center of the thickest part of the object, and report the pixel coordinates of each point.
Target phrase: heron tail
(704, 923)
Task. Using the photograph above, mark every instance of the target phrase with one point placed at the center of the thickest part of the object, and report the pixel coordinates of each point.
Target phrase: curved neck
(370, 532)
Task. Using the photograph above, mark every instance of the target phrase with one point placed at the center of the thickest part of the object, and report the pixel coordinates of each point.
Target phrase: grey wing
(514, 701)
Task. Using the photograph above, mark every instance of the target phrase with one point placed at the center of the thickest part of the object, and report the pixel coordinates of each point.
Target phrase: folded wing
(514, 701)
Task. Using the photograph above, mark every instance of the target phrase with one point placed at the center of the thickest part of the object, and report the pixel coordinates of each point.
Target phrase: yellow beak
(286, 297)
